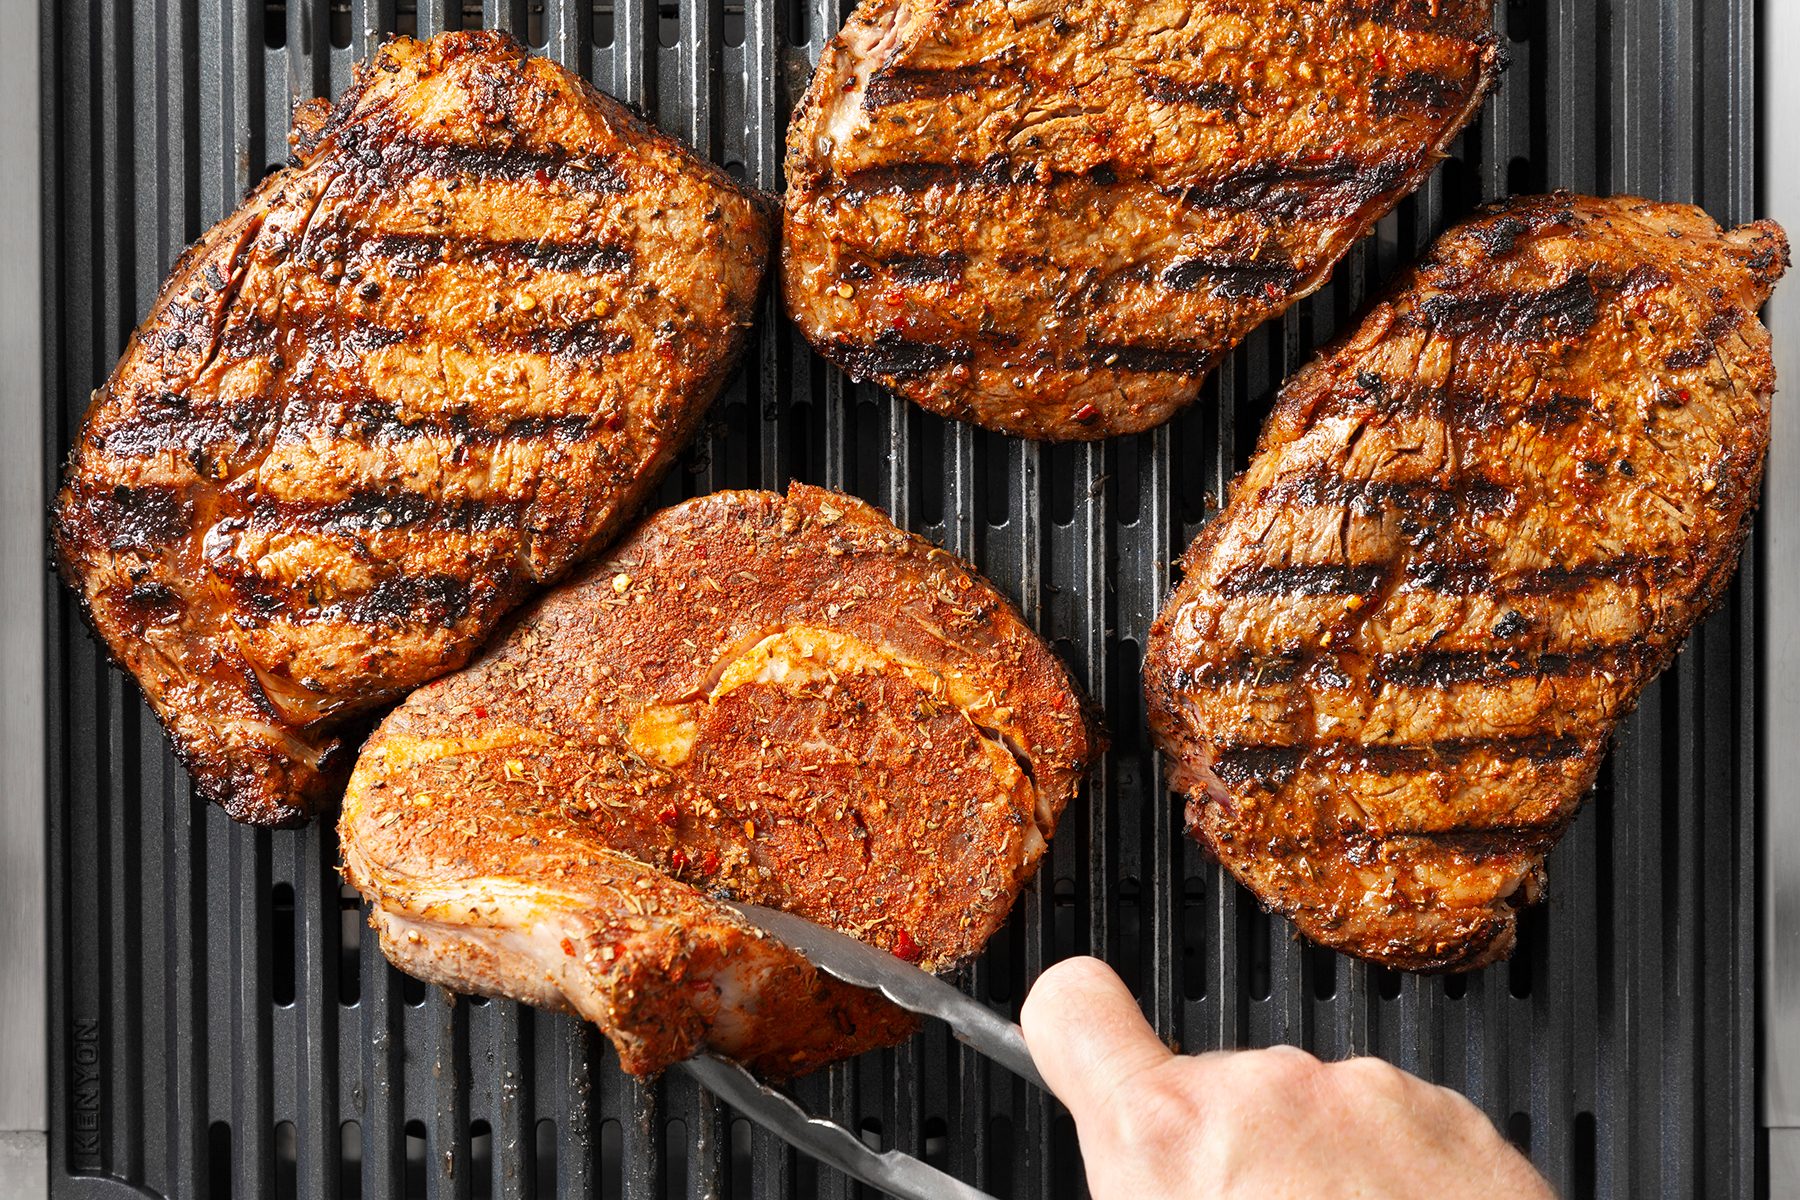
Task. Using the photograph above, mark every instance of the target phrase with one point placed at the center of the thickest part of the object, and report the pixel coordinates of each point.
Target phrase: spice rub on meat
(437, 359)
(1473, 531)
(1054, 218)
(779, 699)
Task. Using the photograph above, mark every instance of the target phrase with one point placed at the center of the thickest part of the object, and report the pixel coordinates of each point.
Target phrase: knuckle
(1370, 1078)
(1459, 1107)
(1284, 1066)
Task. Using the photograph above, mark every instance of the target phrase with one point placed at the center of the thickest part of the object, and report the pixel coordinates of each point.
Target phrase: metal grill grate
(222, 1025)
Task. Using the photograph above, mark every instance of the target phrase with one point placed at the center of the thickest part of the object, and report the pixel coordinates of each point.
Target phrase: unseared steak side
(781, 699)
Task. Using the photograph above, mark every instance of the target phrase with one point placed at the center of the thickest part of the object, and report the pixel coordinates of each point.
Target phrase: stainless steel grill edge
(221, 1024)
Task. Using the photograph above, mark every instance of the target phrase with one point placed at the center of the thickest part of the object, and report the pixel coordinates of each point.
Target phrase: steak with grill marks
(785, 700)
(1055, 218)
(434, 361)
(1474, 530)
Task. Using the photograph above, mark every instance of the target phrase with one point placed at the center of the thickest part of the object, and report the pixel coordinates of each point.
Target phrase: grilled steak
(1474, 530)
(1055, 218)
(785, 700)
(434, 361)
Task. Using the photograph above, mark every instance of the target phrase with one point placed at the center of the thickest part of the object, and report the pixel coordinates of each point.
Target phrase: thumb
(1086, 1035)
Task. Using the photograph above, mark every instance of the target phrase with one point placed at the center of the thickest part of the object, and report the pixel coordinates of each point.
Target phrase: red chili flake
(906, 949)
(481, 712)
(1685, 395)
(542, 175)
(1272, 291)
(668, 814)
(679, 860)
(1083, 415)
(709, 862)
(1380, 61)
(568, 947)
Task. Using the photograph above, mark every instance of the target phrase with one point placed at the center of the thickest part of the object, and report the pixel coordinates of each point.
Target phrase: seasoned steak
(1053, 218)
(434, 361)
(1474, 530)
(784, 700)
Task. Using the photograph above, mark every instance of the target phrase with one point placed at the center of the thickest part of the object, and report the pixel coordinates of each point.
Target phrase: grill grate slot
(224, 1026)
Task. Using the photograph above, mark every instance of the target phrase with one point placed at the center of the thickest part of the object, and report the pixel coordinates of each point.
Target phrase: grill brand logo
(84, 1096)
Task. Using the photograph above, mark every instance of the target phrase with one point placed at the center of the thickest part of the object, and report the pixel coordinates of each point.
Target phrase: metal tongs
(917, 991)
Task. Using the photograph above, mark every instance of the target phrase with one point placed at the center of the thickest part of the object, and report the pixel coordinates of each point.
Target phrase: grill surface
(223, 1025)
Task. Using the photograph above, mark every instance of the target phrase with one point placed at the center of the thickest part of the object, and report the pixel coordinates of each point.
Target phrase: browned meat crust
(1474, 530)
(430, 364)
(1054, 217)
(780, 699)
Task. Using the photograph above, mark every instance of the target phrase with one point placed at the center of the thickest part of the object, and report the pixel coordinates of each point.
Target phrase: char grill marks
(778, 699)
(1473, 531)
(441, 356)
(1056, 225)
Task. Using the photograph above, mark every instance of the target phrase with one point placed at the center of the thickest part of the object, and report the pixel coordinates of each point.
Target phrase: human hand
(1269, 1124)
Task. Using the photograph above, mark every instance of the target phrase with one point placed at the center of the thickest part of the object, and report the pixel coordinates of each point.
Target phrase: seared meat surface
(437, 359)
(785, 700)
(1473, 531)
(1054, 217)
